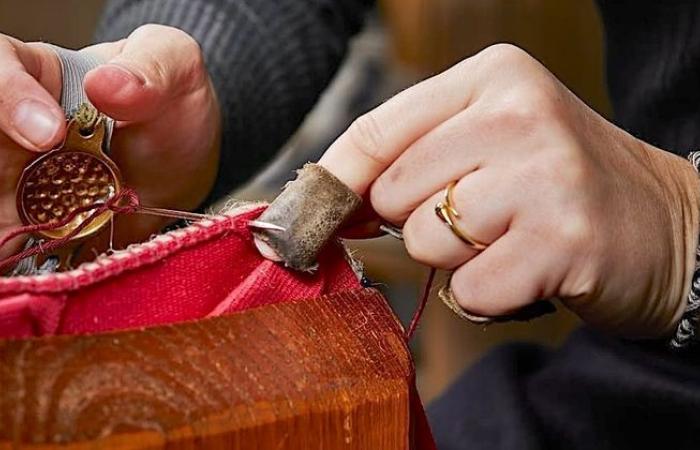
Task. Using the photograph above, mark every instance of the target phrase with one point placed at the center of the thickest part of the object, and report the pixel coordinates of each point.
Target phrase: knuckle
(526, 85)
(486, 298)
(151, 30)
(156, 30)
(381, 197)
(463, 295)
(183, 39)
(416, 243)
(504, 53)
(366, 135)
(195, 69)
(523, 110)
(389, 197)
(537, 98)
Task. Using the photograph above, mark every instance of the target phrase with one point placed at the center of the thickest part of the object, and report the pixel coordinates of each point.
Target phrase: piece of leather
(310, 209)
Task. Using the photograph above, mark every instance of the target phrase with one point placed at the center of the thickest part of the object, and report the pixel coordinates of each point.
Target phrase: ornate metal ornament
(76, 175)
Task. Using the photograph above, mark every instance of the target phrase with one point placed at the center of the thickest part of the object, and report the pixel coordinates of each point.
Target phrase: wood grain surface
(326, 373)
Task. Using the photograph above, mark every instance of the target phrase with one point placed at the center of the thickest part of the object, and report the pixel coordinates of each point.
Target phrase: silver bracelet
(687, 329)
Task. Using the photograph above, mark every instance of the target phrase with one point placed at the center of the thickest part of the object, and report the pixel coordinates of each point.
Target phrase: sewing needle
(173, 214)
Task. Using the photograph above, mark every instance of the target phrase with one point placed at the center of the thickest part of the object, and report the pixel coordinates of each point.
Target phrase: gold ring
(448, 214)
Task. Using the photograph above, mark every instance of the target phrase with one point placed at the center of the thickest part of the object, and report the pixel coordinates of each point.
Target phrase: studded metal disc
(57, 185)
(60, 182)
(76, 175)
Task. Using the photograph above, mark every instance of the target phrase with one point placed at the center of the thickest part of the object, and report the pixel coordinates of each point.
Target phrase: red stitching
(137, 255)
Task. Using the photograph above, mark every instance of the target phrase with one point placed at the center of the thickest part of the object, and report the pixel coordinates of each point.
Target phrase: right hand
(568, 205)
(154, 83)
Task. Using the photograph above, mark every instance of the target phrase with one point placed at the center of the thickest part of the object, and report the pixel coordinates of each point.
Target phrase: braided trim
(687, 329)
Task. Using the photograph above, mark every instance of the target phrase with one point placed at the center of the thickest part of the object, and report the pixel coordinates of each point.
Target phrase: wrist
(664, 244)
(684, 205)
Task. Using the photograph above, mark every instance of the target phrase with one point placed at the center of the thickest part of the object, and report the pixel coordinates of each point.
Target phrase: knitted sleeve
(269, 61)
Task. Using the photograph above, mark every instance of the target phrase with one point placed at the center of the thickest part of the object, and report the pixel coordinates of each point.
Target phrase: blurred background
(404, 41)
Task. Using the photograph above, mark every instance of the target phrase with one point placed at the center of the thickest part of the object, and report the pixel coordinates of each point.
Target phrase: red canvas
(207, 269)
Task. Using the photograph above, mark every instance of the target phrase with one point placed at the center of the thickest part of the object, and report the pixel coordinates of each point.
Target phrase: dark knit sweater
(653, 69)
(270, 59)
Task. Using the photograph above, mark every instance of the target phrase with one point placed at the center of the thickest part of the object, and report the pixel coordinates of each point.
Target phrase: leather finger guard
(310, 209)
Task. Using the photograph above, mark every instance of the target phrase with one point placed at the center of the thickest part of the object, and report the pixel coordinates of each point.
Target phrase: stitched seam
(133, 257)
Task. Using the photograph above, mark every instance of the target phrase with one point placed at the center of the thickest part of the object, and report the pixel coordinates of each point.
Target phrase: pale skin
(570, 205)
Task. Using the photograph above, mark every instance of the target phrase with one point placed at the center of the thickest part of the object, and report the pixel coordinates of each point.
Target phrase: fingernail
(266, 251)
(36, 123)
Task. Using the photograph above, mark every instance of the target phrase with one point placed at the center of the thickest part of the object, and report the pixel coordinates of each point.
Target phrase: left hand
(167, 136)
(570, 205)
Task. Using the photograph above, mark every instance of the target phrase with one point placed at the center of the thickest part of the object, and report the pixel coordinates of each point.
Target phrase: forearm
(269, 61)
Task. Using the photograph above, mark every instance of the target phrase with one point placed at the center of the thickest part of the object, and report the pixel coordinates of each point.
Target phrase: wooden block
(325, 373)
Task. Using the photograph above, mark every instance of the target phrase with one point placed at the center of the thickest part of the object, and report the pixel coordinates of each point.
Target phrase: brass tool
(75, 175)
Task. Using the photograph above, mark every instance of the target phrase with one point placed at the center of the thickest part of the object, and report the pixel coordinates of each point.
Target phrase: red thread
(126, 201)
(420, 306)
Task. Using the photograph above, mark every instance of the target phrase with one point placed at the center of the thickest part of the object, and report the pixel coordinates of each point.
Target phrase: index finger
(377, 138)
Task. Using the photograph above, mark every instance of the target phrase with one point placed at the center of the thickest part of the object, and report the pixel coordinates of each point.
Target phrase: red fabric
(208, 269)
